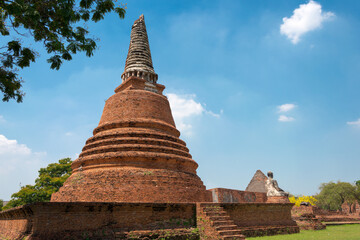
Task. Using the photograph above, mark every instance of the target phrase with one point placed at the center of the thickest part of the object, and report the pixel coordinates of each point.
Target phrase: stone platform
(92, 220)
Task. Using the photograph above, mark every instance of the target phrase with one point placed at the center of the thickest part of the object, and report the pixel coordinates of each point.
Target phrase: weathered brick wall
(353, 208)
(224, 195)
(15, 223)
(298, 211)
(277, 199)
(51, 220)
(319, 211)
(260, 214)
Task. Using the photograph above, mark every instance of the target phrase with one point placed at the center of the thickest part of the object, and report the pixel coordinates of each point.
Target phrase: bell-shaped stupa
(135, 154)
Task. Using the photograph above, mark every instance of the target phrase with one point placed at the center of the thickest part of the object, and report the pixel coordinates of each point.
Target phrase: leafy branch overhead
(57, 24)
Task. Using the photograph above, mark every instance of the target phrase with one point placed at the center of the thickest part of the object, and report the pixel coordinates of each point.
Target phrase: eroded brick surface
(109, 220)
(225, 195)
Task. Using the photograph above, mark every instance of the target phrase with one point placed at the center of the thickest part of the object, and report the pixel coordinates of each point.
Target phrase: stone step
(213, 209)
(219, 218)
(226, 227)
(222, 222)
(234, 237)
(229, 232)
(219, 213)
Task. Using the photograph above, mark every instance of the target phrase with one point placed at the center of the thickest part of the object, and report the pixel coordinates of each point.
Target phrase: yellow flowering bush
(298, 200)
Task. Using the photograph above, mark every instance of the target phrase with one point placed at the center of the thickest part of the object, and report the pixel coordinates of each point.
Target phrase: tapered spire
(138, 61)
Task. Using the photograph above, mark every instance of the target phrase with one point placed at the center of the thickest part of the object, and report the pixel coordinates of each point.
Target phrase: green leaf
(85, 16)
(56, 24)
(86, 3)
(55, 62)
(121, 12)
(15, 47)
(66, 56)
(26, 57)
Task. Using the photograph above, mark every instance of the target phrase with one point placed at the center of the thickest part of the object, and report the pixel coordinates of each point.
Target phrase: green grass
(341, 232)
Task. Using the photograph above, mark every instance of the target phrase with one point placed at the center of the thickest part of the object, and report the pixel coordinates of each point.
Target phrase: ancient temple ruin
(136, 179)
(135, 154)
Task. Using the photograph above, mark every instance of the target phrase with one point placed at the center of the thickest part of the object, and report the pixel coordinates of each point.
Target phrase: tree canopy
(49, 181)
(333, 195)
(57, 24)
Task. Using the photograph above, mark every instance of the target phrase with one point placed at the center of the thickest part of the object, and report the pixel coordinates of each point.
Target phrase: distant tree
(58, 24)
(333, 195)
(1, 204)
(49, 181)
(357, 184)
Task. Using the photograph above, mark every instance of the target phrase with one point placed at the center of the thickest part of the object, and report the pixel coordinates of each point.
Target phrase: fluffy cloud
(184, 108)
(355, 123)
(283, 109)
(283, 118)
(286, 107)
(306, 18)
(12, 147)
(18, 164)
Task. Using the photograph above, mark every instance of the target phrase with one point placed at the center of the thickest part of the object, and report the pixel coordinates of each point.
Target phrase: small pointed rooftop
(138, 61)
(257, 183)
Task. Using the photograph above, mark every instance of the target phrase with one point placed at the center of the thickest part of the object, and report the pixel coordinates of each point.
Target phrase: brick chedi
(135, 154)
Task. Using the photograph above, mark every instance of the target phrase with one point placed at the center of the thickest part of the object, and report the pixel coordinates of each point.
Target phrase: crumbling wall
(224, 195)
(260, 214)
(79, 220)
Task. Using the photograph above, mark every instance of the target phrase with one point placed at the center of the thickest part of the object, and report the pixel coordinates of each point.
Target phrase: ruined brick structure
(135, 178)
(351, 209)
(258, 184)
(135, 154)
(306, 219)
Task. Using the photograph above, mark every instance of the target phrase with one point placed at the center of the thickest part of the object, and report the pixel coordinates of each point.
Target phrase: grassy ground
(341, 232)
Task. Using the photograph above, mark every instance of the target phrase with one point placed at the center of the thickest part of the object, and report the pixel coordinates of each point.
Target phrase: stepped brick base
(135, 154)
(95, 221)
(306, 219)
(215, 223)
(240, 220)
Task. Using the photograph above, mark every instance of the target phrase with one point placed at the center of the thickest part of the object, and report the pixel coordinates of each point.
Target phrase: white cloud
(306, 18)
(355, 123)
(69, 134)
(184, 108)
(12, 147)
(18, 164)
(286, 107)
(283, 118)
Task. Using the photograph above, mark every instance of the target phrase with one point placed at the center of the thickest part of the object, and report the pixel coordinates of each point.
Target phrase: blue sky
(270, 85)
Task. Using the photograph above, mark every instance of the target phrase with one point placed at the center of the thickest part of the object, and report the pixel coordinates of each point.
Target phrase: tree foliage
(49, 181)
(333, 195)
(57, 24)
(1, 204)
(357, 194)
